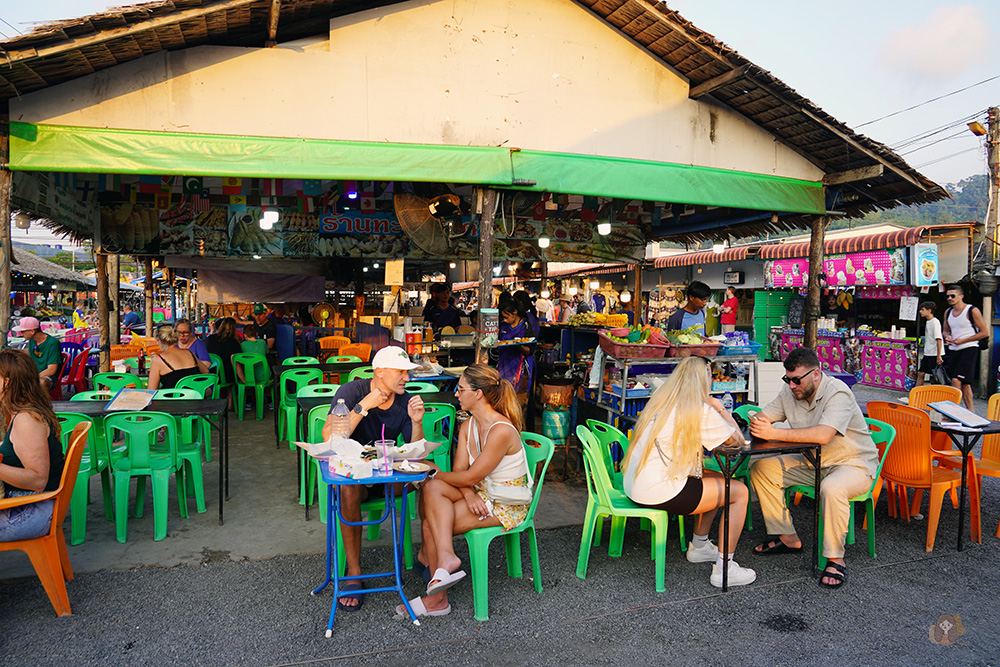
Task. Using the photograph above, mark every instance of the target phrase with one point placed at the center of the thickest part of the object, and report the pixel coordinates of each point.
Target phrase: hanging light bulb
(604, 228)
(375, 265)
(625, 296)
(544, 294)
(572, 290)
(22, 220)
(543, 241)
(452, 265)
(718, 247)
(595, 284)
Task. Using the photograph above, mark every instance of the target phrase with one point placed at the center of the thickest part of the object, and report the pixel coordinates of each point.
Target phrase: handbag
(941, 375)
(505, 494)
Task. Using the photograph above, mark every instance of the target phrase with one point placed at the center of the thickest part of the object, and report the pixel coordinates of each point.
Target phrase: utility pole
(988, 278)
(993, 164)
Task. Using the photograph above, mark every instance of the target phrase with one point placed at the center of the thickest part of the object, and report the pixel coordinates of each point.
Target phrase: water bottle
(727, 401)
(341, 427)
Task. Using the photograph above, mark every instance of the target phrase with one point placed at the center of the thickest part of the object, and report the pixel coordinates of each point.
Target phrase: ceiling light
(595, 284)
(365, 269)
(41, 282)
(54, 287)
(269, 215)
(718, 247)
(572, 290)
(604, 228)
(543, 241)
(496, 270)
(625, 296)
(452, 265)
(375, 265)
(256, 256)
(544, 294)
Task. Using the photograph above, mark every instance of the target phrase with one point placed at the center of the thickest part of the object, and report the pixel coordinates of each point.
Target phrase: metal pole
(101, 260)
(6, 177)
(147, 291)
(485, 266)
(819, 224)
(987, 366)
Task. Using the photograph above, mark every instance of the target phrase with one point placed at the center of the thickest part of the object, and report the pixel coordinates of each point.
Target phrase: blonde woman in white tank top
(454, 502)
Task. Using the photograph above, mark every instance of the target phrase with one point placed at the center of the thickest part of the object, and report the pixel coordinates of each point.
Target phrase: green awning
(59, 148)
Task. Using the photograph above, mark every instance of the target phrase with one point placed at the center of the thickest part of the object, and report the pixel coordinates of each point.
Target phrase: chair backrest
(315, 421)
(78, 367)
(115, 381)
(254, 367)
(363, 372)
(747, 411)
(92, 396)
(68, 421)
(439, 426)
(991, 443)
(361, 350)
(205, 384)
(284, 341)
(539, 450)
(883, 435)
(119, 352)
(216, 366)
(318, 390)
(178, 394)
(67, 360)
(298, 361)
(909, 462)
(598, 480)
(131, 362)
(421, 388)
(343, 359)
(71, 468)
(140, 430)
(333, 342)
(606, 435)
(71, 347)
(922, 396)
(294, 379)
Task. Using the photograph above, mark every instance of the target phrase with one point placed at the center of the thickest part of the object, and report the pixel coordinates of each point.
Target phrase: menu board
(889, 363)
(875, 267)
(925, 265)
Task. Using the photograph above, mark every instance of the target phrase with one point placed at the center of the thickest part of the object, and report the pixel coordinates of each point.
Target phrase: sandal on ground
(417, 605)
(352, 590)
(840, 576)
(443, 580)
(775, 547)
(423, 571)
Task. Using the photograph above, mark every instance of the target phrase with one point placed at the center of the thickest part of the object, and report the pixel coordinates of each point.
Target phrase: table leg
(725, 539)
(222, 464)
(225, 445)
(397, 551)
(815, 549)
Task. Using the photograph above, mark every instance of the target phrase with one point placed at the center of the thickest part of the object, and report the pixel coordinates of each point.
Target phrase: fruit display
(689, 336)
(592, 319)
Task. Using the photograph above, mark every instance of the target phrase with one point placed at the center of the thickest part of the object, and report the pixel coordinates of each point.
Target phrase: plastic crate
(632, 407)
(734, 350)
(734, 385)
(702, 350)
(616, 389)
(631, 350)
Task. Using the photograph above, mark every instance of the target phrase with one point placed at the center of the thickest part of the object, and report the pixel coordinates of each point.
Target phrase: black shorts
(961, 364)
(927, 364)
(684, 502)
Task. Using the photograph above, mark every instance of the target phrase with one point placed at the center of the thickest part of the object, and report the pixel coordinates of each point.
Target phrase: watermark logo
(947, 629)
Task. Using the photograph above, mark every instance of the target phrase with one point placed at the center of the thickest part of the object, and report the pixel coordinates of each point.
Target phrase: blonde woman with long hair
(663, 466)
(489, 448)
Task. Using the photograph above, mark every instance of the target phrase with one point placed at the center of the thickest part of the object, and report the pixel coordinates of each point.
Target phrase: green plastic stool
(440, 420)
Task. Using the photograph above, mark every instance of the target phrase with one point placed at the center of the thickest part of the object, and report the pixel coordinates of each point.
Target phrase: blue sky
(859, 61)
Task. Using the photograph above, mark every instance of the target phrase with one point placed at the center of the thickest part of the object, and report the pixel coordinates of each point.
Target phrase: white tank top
(961, 327)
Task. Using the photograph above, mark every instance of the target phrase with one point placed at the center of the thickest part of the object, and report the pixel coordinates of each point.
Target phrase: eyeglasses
(798, 380)
(461, 389)
(951, 296)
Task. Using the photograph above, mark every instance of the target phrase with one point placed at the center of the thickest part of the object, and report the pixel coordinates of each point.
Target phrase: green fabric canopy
(59, 148)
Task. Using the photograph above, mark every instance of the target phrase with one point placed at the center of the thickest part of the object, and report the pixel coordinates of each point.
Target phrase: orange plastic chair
(989, 462)
(330, 345)
(909, 463)
(119, 352)
(361, 350)
(921, 397)
(48, 553)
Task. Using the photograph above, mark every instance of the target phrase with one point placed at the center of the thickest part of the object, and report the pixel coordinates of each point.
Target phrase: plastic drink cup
(382, 448)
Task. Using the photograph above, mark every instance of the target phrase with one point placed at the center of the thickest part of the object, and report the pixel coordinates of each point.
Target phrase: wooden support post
(637, 296)
(101, 260)
(147, 291)
(114, 285)
(5, 251)
(819, 225)
(485, 266)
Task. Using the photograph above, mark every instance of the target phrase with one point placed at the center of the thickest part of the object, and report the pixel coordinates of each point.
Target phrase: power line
(946, 157)
(903, 143)
(10, 26)
(963, 134)
(934, 99)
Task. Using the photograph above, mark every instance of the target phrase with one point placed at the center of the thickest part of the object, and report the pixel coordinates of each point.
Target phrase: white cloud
(950, 41)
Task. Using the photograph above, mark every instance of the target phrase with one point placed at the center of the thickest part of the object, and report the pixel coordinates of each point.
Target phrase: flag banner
(193, 185)
(61, 180)
(109, 183)
(149, 184)
(163, 200)
(271, 187)
(238, 200)
(168, 180)
(367, 202)
(133, 191)
(311, 187)
(538, 211)
(232, 186)
(306, 203)
(200, 203)
(84, 187)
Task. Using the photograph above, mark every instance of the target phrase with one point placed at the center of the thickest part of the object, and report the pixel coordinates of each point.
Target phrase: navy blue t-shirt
(369, 429)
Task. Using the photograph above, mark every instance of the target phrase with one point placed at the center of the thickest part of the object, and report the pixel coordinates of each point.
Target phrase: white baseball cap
(393, 357)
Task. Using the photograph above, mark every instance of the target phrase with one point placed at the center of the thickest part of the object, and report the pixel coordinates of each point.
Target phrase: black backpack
(984, 343)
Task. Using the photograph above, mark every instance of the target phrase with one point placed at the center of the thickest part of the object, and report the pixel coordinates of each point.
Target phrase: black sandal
(775, 547)
(840, 576)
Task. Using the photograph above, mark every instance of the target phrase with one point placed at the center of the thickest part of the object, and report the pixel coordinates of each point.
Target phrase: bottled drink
(142, 364)
(341, 420)
(727, 401)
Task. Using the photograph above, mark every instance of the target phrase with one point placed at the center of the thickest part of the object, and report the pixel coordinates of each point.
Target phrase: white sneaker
(706, 553)
(738, 576)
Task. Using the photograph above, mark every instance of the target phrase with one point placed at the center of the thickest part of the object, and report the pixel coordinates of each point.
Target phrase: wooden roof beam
(22, 55)
(717, 82)
(272, 24)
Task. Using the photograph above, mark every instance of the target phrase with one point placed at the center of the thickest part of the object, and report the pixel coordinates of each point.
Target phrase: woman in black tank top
(173, 364)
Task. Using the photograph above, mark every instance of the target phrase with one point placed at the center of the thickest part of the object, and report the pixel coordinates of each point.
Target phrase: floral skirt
(510, 516)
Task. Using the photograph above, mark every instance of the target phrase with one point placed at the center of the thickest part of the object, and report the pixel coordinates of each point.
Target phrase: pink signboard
(883, 292)
(889, 363)
(875, 267)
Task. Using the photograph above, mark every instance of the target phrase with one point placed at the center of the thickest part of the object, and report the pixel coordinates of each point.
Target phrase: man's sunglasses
(796, 380)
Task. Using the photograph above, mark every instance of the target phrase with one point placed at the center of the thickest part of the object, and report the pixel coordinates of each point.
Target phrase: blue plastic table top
(378, 478)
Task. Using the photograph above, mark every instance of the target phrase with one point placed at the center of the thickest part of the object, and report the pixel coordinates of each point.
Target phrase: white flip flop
(444, 579)
(417, 605)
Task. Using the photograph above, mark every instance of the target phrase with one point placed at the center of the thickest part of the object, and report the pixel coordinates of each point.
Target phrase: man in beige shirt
(819, 409)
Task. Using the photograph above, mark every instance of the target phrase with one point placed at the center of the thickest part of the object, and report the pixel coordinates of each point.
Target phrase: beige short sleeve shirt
(834, 406)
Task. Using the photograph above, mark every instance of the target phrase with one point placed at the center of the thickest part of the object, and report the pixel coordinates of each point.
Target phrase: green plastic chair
(92, 396)
(289, 383)
(216, 366)
(189, 444)
(299, 361)
(115, 381)
(344, 359)
(207, 386)
(421, 388)
(328, 391)
(439, 423)
(143, 459)
(742, 472)
(883, 435)
(131, 362)
(603, 499)
(95, 461)
(539, 450)
(256, 376)
(365, 372)
(607, 437)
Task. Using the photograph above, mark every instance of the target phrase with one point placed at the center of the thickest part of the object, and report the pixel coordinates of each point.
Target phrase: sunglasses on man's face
(795, 380)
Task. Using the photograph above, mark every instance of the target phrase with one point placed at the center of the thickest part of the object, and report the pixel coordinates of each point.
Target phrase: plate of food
(515, 341)
(410, 466)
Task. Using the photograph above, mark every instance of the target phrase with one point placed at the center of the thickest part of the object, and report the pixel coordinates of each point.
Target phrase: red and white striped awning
(701, 257)
(897, 239)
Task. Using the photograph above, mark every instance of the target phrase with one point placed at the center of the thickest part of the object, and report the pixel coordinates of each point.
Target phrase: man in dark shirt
(267, 330)
(130, 317)
(43, 349)
(439, 312)
(379, 405)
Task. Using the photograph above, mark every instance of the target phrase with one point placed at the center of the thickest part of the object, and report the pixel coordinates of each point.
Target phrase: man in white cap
(43, 349)
(379, 405)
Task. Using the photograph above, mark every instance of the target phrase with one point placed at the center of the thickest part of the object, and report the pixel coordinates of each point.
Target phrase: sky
(858, 61)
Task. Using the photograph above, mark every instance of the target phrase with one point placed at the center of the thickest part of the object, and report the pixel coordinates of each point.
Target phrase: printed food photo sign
(925, 264)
